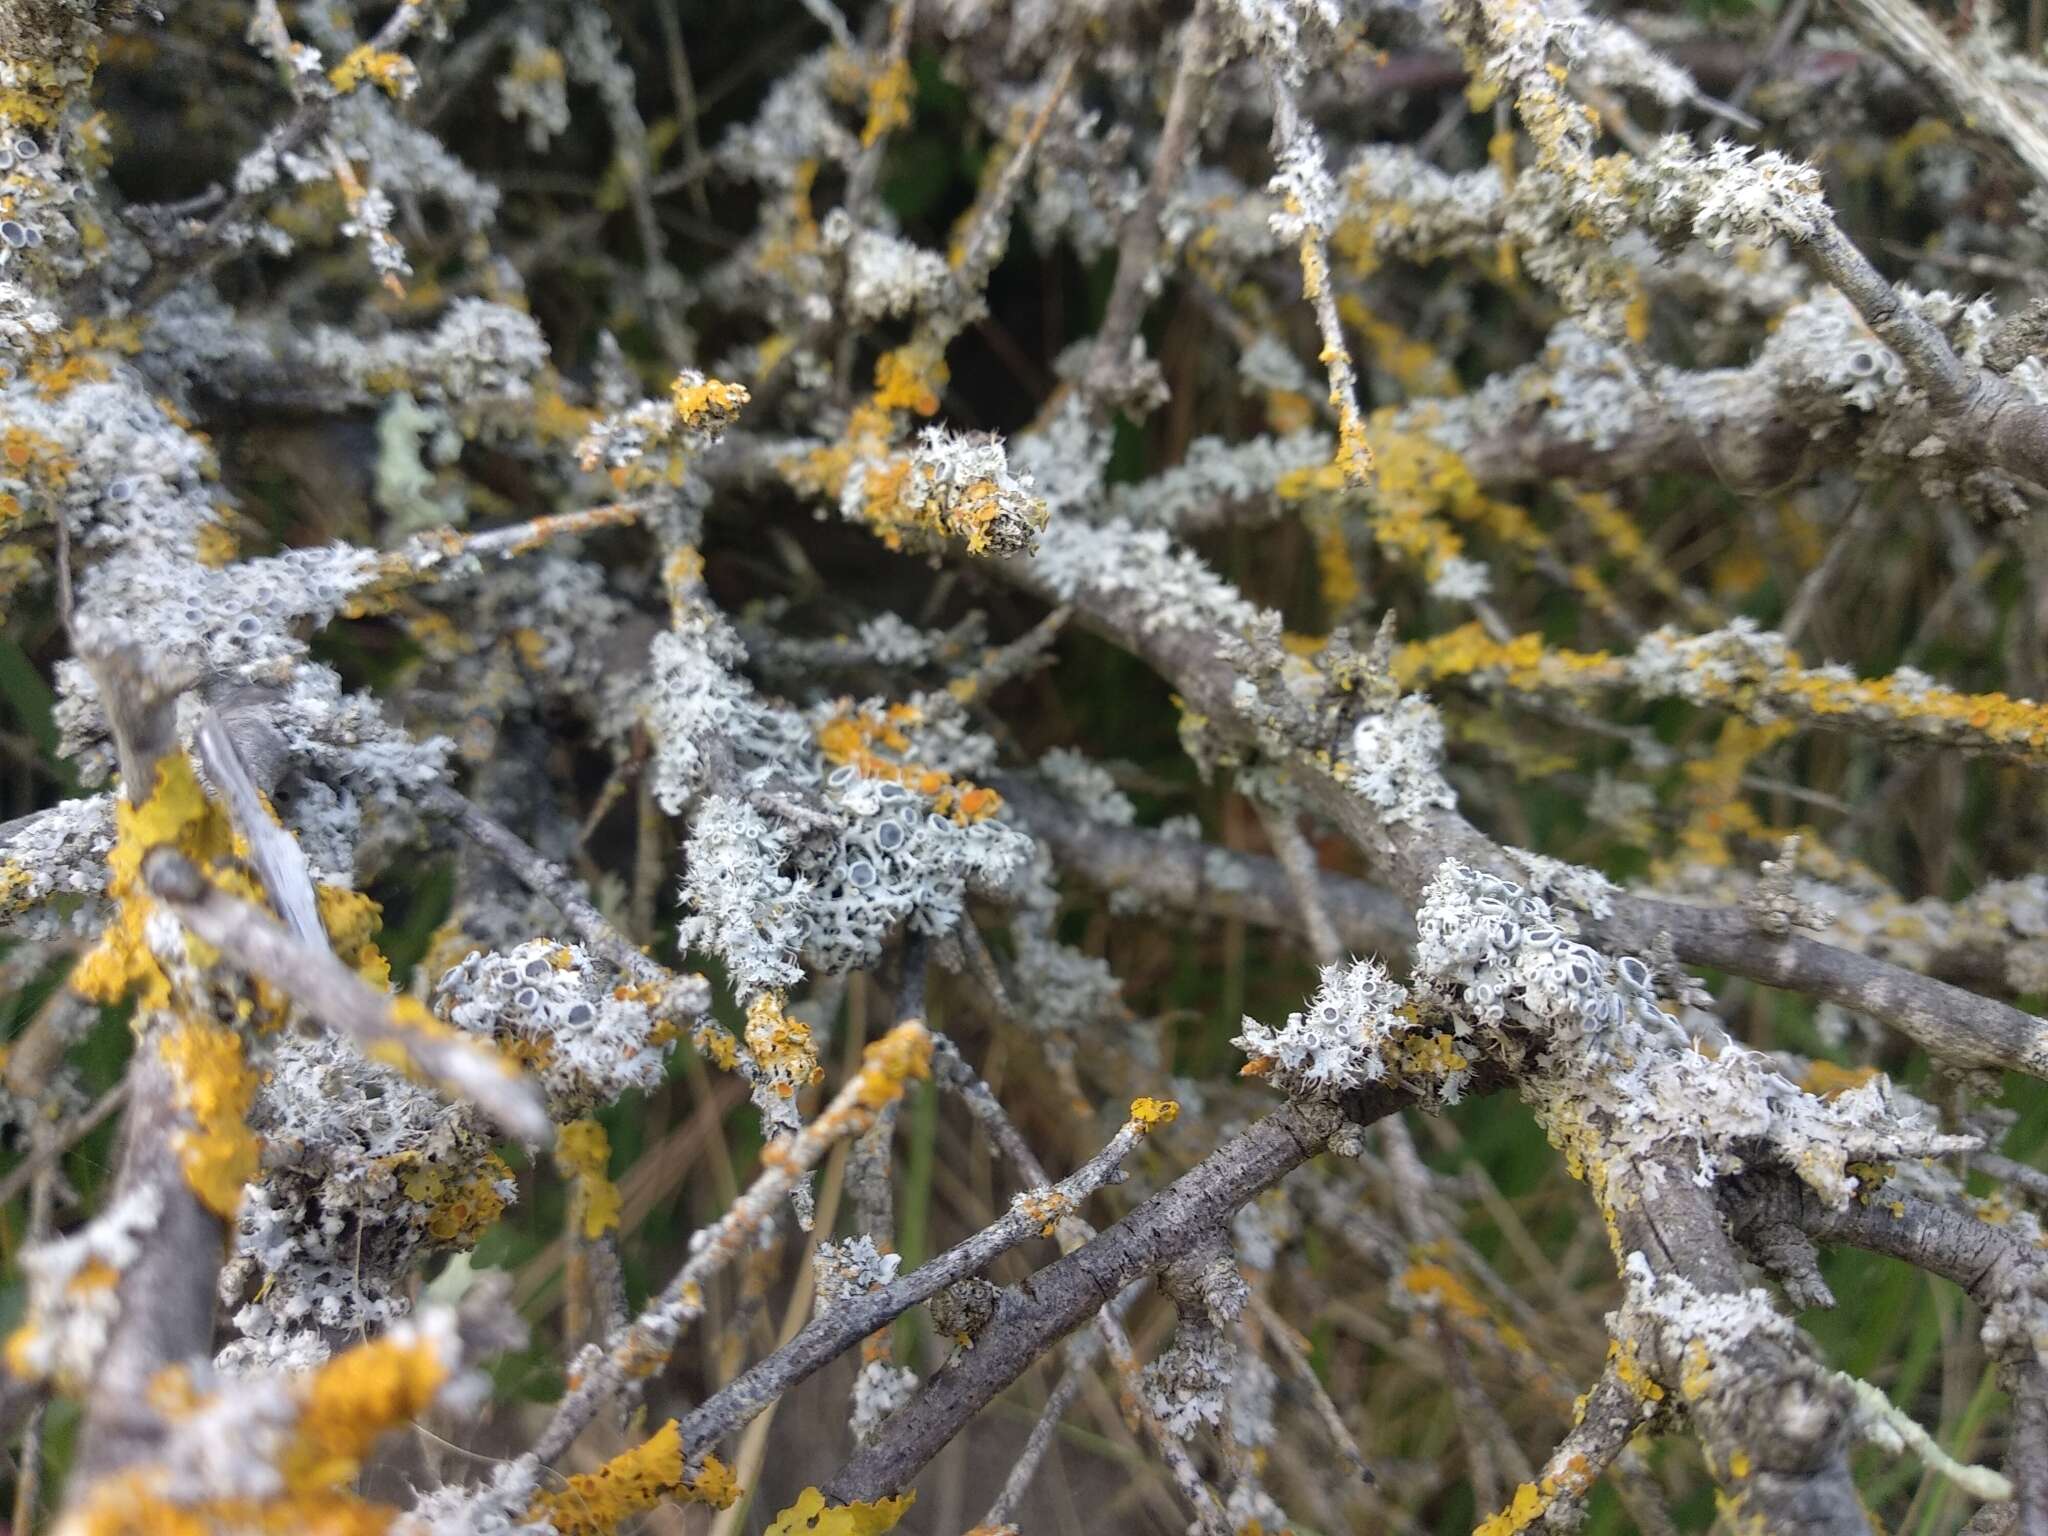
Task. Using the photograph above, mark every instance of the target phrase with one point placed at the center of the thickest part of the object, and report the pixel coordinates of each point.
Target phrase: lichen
(636, 1480)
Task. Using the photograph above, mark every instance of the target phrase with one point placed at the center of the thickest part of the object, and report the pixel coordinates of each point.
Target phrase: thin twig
(326, 989)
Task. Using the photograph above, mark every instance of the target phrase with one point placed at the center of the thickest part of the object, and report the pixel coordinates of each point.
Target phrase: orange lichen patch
(537, 66)
(863, 736)
(1438, 1286)
(891, 1062)
(215, 1087)
(342, 1408)
(707, 405)
(352, 1400)
(1869, 1177)
(1774, 695)
(392, 73)
(1593, 586)
(1151, 1113)
(463, 1204)
(352, 921)
(35, 91)
(1716, 810)
(1418, 482)
(792, 238)
(631, 1483)
(1623, 539)
(642, 1357)
(1991, 718)
(1354, 451)
(20, 1354)
(130, 1505)
(1414, 365)
(1635, 314)
(683, 572)
(1629, 1370)
(1993, 1209)
(714, 1042)
(1521, 663)
(1740, 569)
(1336, 572)
(808, 1516)
(16, 881)
(410, 1015)
(95, 1274)
(781, 1046)
(901, 494)
(416, 1027)
(1047, 1207)
(555, 420)
(1428, 1054)
(29, 455)
(889, 99)
(77, 354)
(1830, 1081)
(1506, 740)
(1354, 460)
(215, 545)
(908, 378)
(1696, 1378)
(1533, 1500)
(583, 1153)
(54, 377)
(178, 815)
(1289, 411)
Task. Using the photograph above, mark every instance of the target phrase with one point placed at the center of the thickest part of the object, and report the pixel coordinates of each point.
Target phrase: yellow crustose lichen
(633, 1482)
(583, 1152)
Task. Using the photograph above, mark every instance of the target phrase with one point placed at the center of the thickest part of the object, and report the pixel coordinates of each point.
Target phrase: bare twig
(278, 860)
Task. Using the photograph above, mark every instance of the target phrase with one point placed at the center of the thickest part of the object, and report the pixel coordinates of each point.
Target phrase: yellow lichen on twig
(176, 814)
(865, 737)
(1152, 1113)
(352, 1400)
(583, 1153)
(808, 1516)
(631, 1483)
(392, 73)
(215, 1088)
(781, 1045)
